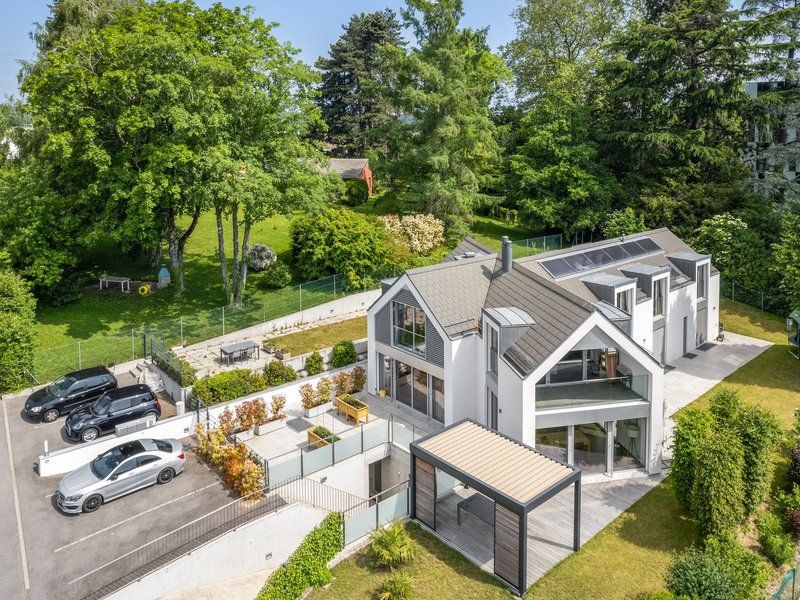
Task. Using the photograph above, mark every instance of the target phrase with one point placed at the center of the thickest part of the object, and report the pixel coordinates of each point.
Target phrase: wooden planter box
(316, 440)
(317, 410)
(270, 427)
(357, 413)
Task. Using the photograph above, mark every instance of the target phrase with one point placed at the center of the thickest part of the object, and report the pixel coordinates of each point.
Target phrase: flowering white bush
(421, 233)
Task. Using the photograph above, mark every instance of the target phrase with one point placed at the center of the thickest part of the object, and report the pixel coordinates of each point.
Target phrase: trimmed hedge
(17, 331)
(308, 566)
(691, 428)
(180, 370)
(344, 353)
(228, 385)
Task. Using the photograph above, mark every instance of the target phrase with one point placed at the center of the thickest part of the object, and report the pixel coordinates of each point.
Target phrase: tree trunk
(177, 244)
(235, 228)
(223, 259)
(241, 275)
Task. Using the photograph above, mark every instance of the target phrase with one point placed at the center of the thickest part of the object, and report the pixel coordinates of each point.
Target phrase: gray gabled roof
(468, 248)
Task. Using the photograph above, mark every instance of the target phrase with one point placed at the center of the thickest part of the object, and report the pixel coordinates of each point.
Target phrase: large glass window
(420, 391)
(701, 282)
(411, 387)
(552, 442)
(658, 297)
(438, 399)
(590, 447)
(569, 368)
(385, 374)
(403, 385)
(409, 327)
(629, 444)
(494, 348)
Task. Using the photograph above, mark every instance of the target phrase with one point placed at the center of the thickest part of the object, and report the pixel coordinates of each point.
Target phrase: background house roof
(467, 247)
(348, 168)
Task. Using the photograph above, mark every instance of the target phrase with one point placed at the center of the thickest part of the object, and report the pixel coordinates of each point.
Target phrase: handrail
(369, 501)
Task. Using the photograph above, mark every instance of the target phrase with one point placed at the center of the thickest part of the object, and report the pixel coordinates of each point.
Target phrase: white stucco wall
(642, 330)
(682, 303)
(465, 382)
(516, 416)
(239, 552)
(713, 306)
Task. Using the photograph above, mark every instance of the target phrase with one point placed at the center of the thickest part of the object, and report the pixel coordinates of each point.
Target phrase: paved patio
(693, 377)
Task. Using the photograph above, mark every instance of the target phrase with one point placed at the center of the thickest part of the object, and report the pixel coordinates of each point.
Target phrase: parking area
(43, 550)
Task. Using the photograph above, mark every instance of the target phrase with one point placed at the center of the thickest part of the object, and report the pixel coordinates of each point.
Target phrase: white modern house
(564, 351)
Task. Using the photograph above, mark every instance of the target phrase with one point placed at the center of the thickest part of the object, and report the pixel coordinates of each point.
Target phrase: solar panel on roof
(617, 253)
(599, 257)
(633, 248)
(579, 262)
(557, 267)
(649, 245)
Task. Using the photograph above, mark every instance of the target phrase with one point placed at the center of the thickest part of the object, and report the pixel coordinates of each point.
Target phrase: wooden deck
(549, 525)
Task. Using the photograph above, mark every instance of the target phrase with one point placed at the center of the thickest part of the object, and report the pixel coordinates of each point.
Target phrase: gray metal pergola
(514, 476)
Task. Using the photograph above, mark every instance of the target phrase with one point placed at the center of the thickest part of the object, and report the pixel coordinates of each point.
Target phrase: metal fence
(787, 588)
(146, 559)
(770, 300)
(134, 343)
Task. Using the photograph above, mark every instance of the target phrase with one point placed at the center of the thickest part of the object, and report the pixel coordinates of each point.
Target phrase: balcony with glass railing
(592, 392)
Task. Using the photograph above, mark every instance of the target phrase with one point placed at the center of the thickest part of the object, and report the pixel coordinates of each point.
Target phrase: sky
(310, 25)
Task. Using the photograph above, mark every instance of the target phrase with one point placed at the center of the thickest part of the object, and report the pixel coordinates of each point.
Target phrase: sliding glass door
(412, 389)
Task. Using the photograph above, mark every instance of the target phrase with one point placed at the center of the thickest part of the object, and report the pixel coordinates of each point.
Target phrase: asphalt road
(43, 550)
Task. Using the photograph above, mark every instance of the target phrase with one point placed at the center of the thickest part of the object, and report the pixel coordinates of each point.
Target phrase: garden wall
(347, 306)
(245, 550)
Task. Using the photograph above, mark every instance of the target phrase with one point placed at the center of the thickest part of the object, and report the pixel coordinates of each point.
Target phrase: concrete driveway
(43, 550)
(690, 377)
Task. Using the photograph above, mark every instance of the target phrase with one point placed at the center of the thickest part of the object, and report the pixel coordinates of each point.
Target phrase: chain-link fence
(134, 343)
(787, 588)
(765, 300)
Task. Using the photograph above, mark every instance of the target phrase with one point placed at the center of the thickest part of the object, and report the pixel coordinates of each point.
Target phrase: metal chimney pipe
(506, 255)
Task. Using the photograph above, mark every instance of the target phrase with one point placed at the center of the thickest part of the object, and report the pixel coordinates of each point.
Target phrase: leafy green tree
(623, 222)
(351, 108)
(677, 103)
(555, 33)
(691, 428)
(556, 176)
(787, 258)
(443, 150)
(735, 248)
(338, 240)
(17, 331)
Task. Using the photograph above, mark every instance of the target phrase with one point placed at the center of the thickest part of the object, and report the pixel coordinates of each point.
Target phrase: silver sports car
(119, 471)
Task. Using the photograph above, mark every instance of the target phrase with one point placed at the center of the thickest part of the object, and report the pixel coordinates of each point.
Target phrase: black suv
(73, 390)
(111, 409)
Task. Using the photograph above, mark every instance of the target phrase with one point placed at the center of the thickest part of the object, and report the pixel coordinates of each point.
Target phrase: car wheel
(89, 435)
(92, 503)
(50, 416)
(152, 413)
(166, 475)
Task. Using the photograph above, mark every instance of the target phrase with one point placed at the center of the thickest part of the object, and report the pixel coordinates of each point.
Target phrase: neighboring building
(353, 168)
(563, 351)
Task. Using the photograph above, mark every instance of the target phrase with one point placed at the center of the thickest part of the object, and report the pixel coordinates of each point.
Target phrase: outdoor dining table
(231, 352)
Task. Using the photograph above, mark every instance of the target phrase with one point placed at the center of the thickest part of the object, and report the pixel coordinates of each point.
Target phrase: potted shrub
(359, 378)
(320, 436)
(282, 353)
(249, 414)
(343, 382)
(276, 419)
(316, 402)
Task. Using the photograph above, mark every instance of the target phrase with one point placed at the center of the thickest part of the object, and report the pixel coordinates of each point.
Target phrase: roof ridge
(554, 287)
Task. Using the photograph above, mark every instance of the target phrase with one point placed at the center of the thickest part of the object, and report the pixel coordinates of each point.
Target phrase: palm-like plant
(397, 587)
(392, 547)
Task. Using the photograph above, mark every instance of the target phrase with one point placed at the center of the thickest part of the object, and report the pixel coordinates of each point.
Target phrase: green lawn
(323, 336)
(99, 313)
(628, 558)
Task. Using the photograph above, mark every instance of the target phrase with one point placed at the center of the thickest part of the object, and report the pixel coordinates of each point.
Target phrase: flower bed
(353, 408)
(320, 436)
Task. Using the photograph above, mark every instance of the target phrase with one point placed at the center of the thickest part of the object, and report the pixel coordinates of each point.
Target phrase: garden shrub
(324, 390)
(260, 257)
(717, 491)
(308, 566)
(356, 192)
(792, 521)
(794, 465)
(397, 587)
(308, 396)
(314, 363)
(344, 353)
(240, 472)
(343, 383)
(276, 406)
(420, 233)
(251, 413)
(339, 240)
(278, 373)
(759, 432)
(775, 543)
(725, 570)
(392, 547)
(228, 385)
(691, 428)
(17, 332)
(66, 291)
(359, 379)
(276, 276)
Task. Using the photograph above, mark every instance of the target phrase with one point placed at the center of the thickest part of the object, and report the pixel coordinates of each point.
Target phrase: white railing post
(223, 320)
(79, 355)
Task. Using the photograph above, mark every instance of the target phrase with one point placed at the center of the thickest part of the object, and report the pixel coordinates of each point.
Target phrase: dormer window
(409, 327)
(702, 287)
(659, 297)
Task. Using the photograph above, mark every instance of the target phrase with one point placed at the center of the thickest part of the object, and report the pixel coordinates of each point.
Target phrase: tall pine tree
(443, 150)
(351, 108)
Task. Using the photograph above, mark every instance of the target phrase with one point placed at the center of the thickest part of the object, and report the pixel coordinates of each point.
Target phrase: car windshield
(101, 405)
(60, 385)
(104, 464)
